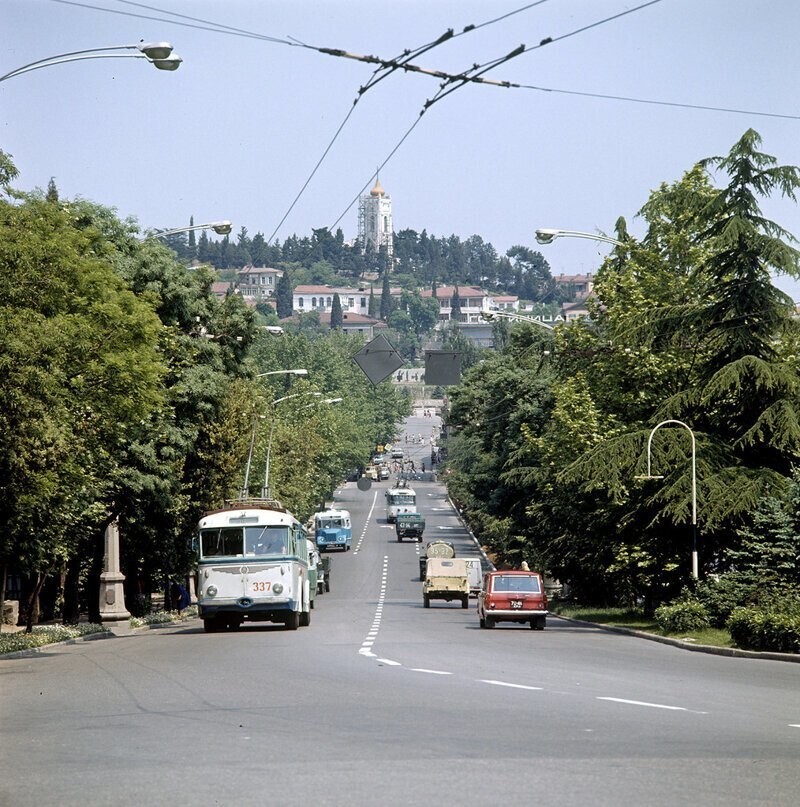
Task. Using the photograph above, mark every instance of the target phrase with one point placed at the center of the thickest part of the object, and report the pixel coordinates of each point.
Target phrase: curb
(733, 652)
(106, 634)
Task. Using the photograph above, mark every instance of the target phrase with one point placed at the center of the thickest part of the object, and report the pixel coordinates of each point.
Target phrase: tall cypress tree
(386, 298)
(337, 319)
(283, 296)
(192, 242)
(372, 310)
(455, 306)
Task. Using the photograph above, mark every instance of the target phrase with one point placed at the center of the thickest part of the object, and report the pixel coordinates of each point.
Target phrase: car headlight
(277, 588)
(211, 591)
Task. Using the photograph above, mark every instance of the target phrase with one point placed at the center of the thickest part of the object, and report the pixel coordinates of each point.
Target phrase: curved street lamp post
(694, 482)
(547, 235)
(159, 54)
(219, 227)
(265, 491)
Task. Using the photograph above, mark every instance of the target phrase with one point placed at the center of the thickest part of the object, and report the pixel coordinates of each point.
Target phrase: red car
(512, 596)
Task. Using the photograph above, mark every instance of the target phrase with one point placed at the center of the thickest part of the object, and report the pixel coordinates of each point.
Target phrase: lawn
(634, 619)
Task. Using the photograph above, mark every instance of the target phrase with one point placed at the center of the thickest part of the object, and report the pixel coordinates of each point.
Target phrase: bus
(253, 564)
(400, 499)
(332, 529)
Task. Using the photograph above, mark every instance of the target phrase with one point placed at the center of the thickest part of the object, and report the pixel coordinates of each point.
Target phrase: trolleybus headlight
(211, 591)
(277, 588)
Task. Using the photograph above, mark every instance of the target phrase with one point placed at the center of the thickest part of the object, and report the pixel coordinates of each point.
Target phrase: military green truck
(446, 579)
(409, 525)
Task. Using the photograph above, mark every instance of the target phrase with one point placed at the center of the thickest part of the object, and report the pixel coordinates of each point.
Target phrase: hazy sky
(237, 130)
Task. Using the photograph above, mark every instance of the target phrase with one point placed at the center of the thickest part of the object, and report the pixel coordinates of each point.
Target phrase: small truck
(446, 579)
(409, 525)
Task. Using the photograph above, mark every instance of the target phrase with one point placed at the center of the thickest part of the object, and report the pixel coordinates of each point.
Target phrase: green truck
(409, 525)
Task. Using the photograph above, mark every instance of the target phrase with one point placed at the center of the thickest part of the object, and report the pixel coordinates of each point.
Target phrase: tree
(386, 298)
(336, 313)
(284, 302)
(52, 191)
(455, 306)
(372, 310)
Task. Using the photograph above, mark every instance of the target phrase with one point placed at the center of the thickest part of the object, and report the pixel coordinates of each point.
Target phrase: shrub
(721, 596)
(757, 629)
(682, 617)
(774, 626)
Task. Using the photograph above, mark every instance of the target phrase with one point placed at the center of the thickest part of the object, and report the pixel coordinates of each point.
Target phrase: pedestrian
(180, 597)
(423, 466)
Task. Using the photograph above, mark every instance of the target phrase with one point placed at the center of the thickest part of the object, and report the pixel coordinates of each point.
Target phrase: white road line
(389, 662)
(506, 684)
(372, 634)
(651, 705)
(794, 725)
(366, 524)
(430, 672)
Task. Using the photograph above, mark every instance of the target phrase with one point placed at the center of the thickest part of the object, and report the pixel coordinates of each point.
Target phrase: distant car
(397, 453)
(383, 472)
(512, 596)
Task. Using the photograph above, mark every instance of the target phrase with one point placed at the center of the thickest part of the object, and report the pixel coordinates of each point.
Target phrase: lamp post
(300, 371)
(265, 492)
(491, 316)
(547, 236)
(159, 54)
(219, 227)
(694, 483)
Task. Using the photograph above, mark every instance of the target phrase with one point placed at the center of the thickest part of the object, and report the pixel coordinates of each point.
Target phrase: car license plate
(516, 603)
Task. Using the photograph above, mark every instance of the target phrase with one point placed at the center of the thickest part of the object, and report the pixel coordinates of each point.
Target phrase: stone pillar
(112, 595)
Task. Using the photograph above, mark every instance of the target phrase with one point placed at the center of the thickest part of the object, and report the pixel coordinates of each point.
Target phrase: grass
(634, 619)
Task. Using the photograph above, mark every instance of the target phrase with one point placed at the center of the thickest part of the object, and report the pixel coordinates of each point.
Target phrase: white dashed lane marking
(366, 524)
(507, 684)
(651, 705)
(366, 645)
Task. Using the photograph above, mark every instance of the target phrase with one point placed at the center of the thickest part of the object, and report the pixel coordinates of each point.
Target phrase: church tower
(375, 219)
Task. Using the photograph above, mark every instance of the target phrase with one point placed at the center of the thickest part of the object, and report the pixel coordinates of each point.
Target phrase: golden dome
(377, 190)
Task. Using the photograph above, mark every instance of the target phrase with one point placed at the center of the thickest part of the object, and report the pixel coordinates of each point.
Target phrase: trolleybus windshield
(244, 541)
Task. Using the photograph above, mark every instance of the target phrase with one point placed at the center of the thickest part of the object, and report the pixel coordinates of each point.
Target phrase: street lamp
(219, 227)
(265, 490)
(694, 483)
(299, 371)
(159, 54)
(547, 236)
(491, 316)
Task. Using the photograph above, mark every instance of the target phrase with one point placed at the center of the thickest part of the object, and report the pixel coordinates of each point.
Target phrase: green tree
(386, 299)
(283, 296)
(337, 319)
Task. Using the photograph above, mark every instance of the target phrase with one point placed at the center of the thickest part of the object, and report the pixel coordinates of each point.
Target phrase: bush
(774, 627)
(722, 595)
(682, 617)
(757, 629)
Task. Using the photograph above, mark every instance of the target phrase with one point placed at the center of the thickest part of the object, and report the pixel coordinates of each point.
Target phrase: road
(382, 702)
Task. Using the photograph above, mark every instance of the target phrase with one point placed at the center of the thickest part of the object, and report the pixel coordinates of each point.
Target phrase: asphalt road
(382, 702)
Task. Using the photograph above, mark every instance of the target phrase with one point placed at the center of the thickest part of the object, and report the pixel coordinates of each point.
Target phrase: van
(474, 575)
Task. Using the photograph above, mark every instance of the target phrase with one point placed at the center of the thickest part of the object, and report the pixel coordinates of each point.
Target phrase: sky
(238, 129)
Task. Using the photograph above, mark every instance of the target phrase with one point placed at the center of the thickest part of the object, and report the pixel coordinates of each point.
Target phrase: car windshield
(516, 582)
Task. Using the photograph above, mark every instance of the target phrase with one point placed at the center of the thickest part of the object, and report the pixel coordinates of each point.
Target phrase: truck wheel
(465, 601)
(305, 619)
(426, 600)
(292, 621)
(327, 584)
(399, 539)
(419, 539)
(210, 625)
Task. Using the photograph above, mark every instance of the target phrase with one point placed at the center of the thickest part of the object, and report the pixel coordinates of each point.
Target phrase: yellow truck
(446, 579)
